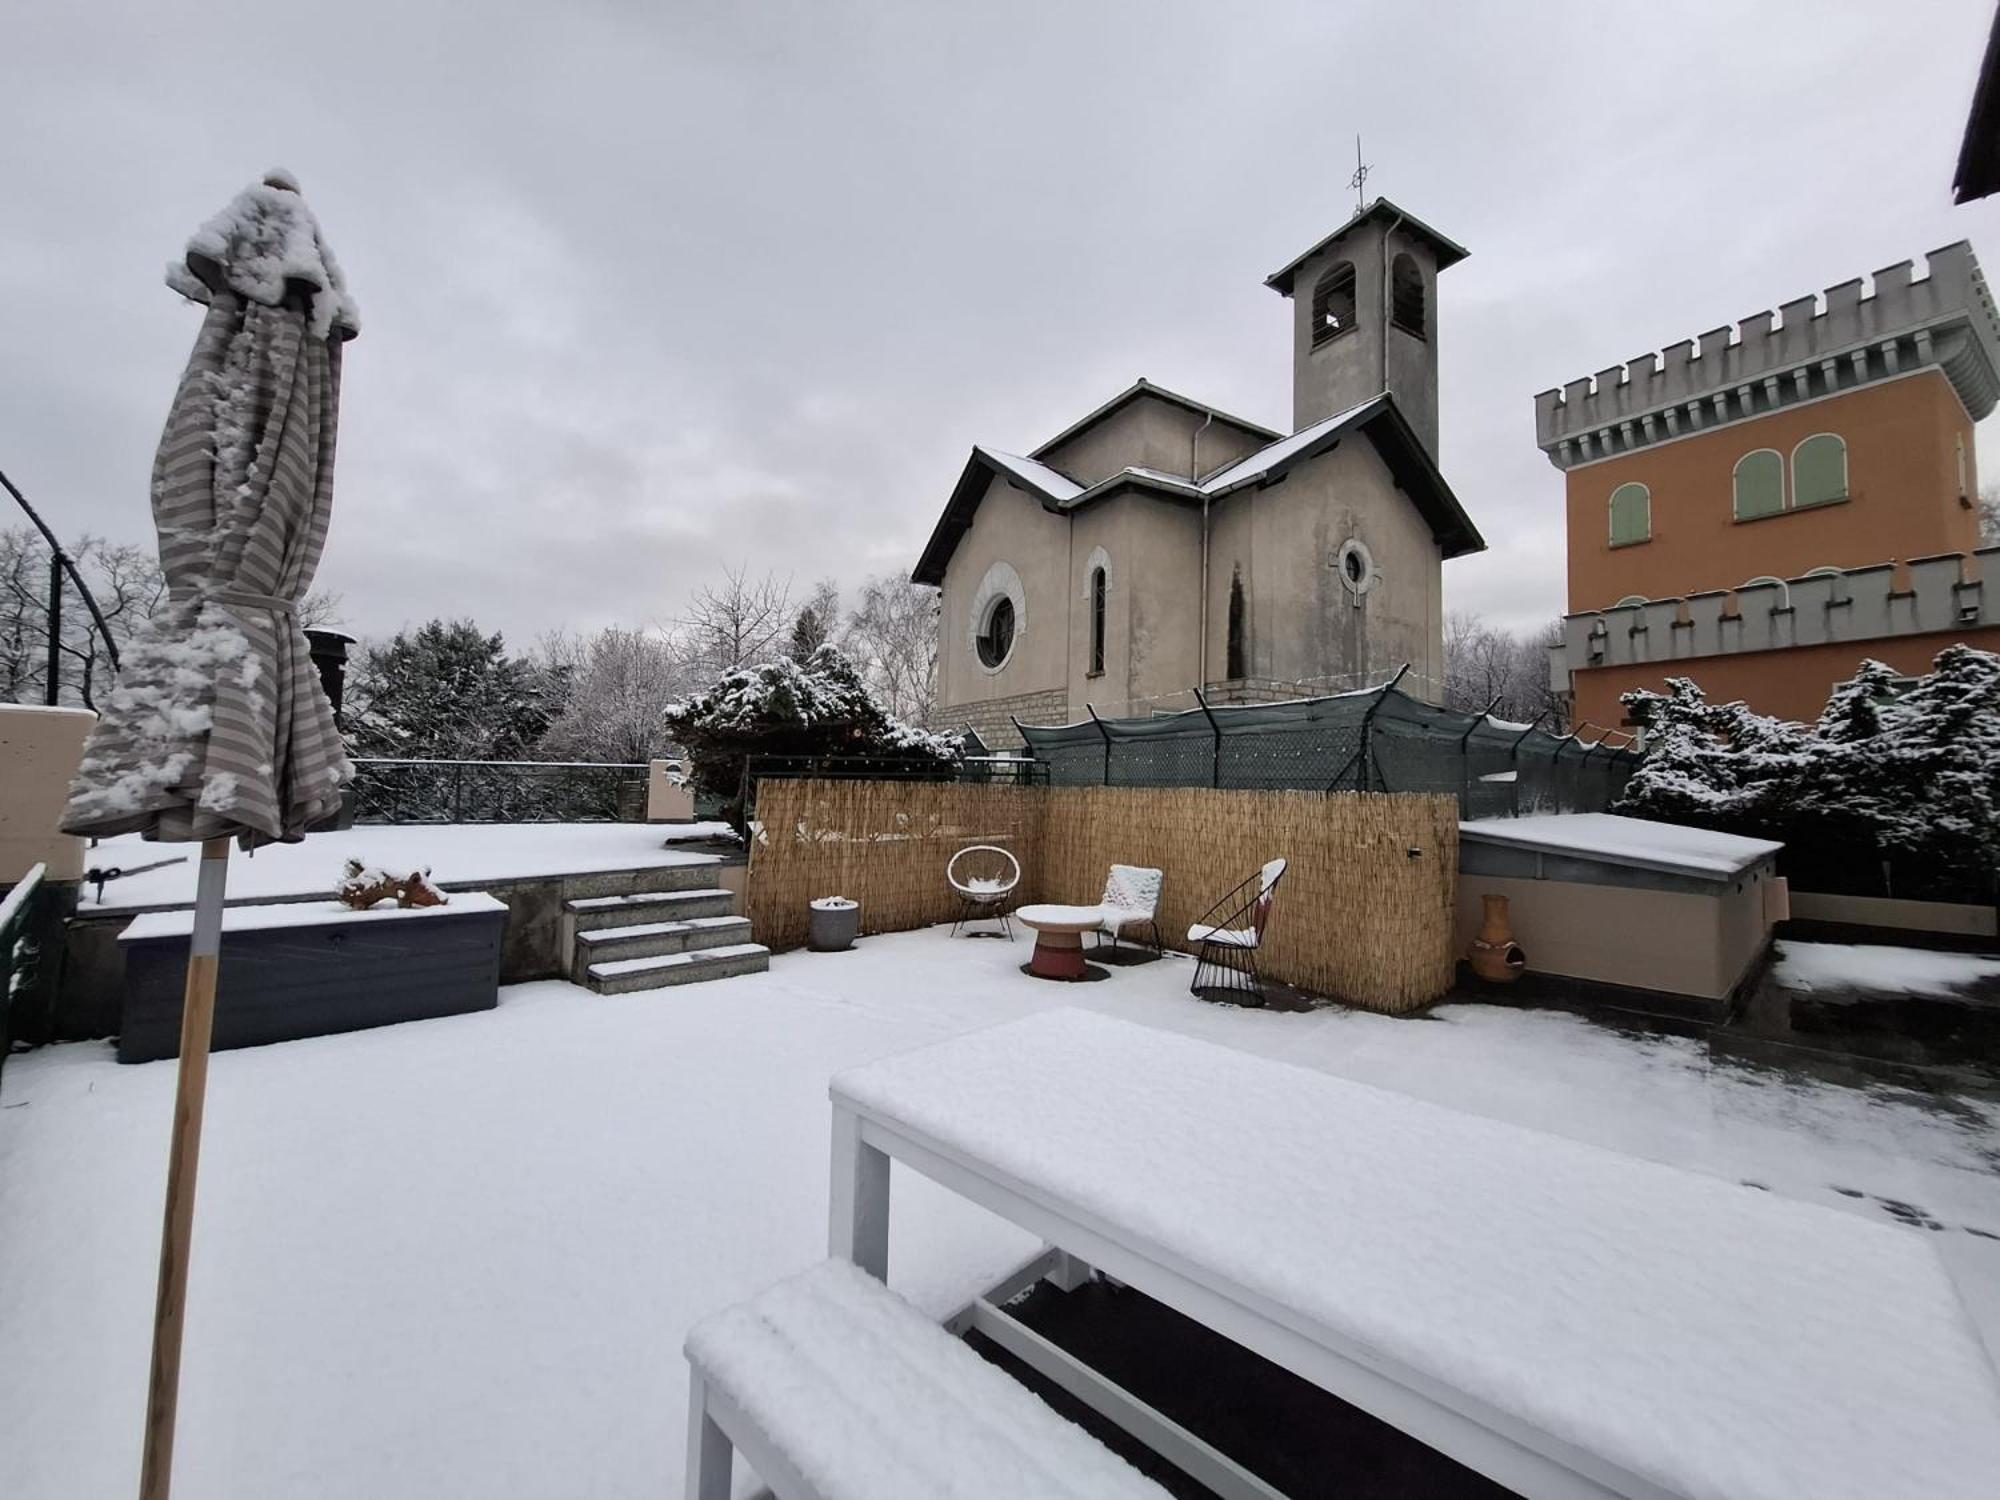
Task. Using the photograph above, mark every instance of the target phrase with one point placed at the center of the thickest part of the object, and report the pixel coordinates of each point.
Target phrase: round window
(996, 632)
(1356, 566)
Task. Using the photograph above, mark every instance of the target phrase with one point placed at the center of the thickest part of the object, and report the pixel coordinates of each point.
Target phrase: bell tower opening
(1364, 312)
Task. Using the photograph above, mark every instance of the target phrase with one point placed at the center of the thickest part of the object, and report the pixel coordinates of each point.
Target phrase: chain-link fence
(1379, 740)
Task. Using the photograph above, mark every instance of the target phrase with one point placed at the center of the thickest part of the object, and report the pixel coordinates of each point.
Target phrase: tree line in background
(448, 690)
(1484, 665)
(129, 589)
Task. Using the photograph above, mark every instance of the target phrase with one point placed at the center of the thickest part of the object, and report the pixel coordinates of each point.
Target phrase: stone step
(694, 874)
(591, 913)
(652, 939)
(621, 976)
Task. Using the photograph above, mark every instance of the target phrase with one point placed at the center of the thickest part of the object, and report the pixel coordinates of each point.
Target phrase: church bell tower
(1364, 318)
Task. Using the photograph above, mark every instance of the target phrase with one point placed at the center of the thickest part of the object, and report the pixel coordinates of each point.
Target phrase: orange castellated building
(1763, 508)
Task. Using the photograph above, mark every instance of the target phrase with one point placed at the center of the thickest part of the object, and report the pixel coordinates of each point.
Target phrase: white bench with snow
(1565, 1320)
(834, 1388)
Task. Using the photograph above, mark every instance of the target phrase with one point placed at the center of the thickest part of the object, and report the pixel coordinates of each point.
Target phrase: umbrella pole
(197, 1022)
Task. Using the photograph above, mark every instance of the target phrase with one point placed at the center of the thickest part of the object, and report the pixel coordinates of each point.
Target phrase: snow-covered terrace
(456, 854)
(458, 1257)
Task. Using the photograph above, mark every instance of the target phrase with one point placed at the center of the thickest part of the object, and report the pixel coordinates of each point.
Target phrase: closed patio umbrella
(218, 729)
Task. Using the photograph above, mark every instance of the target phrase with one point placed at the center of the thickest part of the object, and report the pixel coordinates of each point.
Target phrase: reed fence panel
(1365, 913)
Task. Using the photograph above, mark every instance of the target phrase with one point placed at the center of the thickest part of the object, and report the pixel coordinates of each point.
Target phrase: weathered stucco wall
(40, 749)
(1302, 622)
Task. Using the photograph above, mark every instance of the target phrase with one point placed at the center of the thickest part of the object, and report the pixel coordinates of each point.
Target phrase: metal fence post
(1465, 759)
(1091, 709)
(1215, 759)
(1514, 763)
(458, 793)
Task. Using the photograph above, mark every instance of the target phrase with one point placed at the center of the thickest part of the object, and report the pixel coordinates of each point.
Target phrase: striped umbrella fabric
(218, 726)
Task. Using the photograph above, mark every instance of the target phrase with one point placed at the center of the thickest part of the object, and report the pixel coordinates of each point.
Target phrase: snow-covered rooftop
(1635, 842)
(1037, 476)
(455, 854)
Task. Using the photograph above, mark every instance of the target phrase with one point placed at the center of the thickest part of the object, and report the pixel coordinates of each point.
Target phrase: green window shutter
(1760, 484)
(1819, 470)
(1631, 515)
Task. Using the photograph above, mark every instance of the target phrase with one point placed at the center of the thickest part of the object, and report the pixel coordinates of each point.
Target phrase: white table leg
(858, 1202)
(708, 1449)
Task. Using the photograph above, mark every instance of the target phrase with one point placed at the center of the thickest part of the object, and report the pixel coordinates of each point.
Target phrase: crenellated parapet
(1944, 593)
(1851, 335)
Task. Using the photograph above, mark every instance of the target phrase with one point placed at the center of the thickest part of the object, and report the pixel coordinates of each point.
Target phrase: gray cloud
(653, 290)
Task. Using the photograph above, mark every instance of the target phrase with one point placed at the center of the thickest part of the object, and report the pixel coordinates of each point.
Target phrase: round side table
(1059, 934)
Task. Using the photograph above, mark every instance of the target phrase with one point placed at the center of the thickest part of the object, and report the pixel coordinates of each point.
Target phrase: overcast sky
(653, 290)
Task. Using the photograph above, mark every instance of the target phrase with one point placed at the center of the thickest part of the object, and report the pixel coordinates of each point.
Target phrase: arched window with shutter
(1333, 302)
(1760, 484)
(1406, 296)
(1631, 515)
(1819, 470)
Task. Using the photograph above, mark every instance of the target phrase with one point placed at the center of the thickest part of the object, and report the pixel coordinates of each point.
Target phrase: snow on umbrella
(218, 728)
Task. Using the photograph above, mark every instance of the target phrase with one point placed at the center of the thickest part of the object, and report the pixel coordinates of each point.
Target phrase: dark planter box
(312, 968)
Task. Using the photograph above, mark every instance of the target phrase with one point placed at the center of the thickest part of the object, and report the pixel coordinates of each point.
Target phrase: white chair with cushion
(1132, 900)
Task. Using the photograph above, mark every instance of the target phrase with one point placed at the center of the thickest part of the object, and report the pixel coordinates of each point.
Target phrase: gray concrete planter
(834, 922)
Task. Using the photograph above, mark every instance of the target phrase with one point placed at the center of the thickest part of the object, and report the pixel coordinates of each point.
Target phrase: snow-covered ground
(458, 1257)
(454, 853)
(1881, 970)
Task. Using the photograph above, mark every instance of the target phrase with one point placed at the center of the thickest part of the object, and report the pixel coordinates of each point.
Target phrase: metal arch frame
(63, 561)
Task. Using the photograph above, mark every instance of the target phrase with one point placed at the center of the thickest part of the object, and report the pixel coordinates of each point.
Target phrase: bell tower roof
(1448, 253)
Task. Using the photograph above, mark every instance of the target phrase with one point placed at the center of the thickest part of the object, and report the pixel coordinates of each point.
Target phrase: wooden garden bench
(834, 1388)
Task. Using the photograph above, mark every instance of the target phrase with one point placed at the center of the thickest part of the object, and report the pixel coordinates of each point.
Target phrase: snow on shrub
(1888, 793)
(785, 707)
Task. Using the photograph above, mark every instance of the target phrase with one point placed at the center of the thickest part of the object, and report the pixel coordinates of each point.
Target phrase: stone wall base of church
(994, 718)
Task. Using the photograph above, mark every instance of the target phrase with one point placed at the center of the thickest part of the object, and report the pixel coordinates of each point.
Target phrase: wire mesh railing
(498, 791)
(1379, 739)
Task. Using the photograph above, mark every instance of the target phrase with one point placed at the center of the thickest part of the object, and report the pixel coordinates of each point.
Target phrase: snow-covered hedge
(1890, 792)
(786, 707)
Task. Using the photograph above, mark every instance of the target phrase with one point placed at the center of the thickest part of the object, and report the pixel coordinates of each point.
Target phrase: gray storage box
(302, 969)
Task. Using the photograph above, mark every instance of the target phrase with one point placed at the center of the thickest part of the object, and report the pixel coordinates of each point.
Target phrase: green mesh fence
(1380, 740)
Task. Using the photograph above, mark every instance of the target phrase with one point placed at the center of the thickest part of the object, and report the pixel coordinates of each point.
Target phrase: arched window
(1631, 515)
(1760, 484)
(1333, 302)
(1629, 600)
(1238, 654)
(1406, 296)
(1097, 622)
(1819, 470)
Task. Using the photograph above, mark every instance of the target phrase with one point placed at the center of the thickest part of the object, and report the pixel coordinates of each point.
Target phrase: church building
(1158, 545)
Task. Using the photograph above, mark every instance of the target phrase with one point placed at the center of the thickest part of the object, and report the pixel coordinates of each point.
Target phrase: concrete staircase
(683, 932)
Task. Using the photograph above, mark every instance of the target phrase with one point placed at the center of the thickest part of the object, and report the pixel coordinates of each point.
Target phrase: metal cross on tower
(1359, 181)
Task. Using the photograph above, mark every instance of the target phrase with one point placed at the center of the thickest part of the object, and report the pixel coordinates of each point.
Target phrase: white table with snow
(1560, 1318)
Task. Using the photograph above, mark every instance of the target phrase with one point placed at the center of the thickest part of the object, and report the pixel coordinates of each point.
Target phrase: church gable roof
(1377, 419)
(1139, 389)
(1409, 464)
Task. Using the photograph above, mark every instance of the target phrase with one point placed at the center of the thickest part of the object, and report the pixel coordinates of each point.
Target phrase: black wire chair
(1226, 946)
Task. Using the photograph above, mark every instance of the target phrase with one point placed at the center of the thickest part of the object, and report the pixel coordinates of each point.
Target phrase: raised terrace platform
(542, 872)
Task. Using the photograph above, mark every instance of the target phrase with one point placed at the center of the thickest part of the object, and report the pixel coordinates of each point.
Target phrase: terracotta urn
(1494, 954)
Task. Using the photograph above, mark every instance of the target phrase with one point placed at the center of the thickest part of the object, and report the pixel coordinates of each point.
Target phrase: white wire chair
(987, 880)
